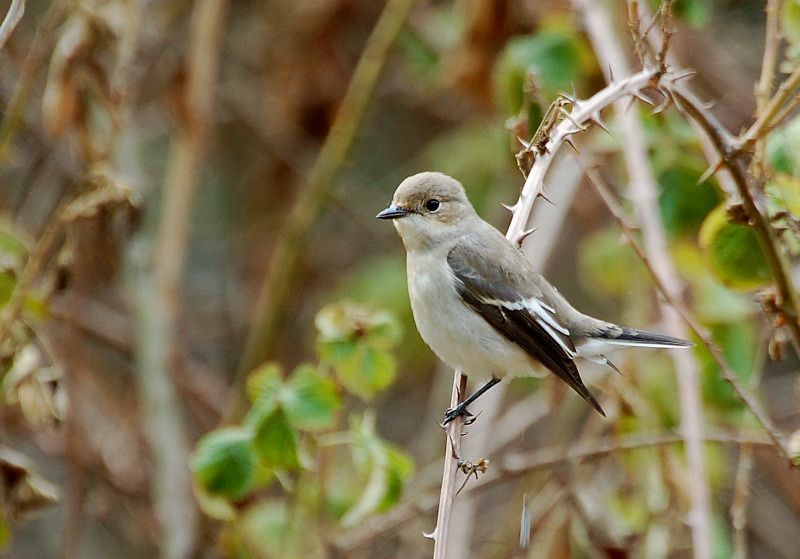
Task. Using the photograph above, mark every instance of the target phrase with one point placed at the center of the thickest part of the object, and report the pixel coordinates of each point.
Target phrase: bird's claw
(459, 410)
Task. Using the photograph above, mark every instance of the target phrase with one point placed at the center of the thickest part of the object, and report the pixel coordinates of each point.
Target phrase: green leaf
(790, 23)
(265, 526)
(696, 13)
(223, 462)
(738, 341)
(783, 148)
(355, 342)
(265, 382)
(5, 533)
(366, 371)
(733, 252)
(275, 441)
(312, 401)
(400, 466)
(11, 245)
(557, 54)
(684, 203)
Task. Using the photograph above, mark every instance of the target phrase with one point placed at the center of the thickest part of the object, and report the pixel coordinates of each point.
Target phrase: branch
(730, 158)
(517, 465)
(730, 377)
(763, 89)
(13, 15)
(644, 194)
(286, 259)
(157, 296)
(452, 457)
(767, 118)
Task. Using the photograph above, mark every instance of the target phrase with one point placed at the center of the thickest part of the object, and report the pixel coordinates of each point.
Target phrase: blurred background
(206, 345)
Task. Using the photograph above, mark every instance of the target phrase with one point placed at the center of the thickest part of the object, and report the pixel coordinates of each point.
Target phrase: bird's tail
(640, 338)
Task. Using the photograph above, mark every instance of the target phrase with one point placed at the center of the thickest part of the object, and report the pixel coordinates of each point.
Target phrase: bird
(479, 304)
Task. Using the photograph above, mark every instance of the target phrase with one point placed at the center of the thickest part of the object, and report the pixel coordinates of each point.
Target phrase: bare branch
(286, 257)
(13, 15)
(730, 377)
(643, 193)
(725, 145)
(767, 118)
(741, 493)
(763, 88)
(451, 461)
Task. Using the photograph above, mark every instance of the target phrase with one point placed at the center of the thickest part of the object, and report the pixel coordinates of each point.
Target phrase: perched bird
(479, 304)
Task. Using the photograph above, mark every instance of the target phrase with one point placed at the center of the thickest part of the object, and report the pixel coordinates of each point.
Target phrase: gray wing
(513, 307)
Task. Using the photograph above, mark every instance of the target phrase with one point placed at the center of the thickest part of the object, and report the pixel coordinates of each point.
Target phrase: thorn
(665, 103)
(710, 105)
(710, 171)
(430, 535)
(643, 98)
(630, 104)
(569, 141)
(684, 75)
(527, 145)
(546, 199)
(525, 234)
(595, 118)
(610, 74)
(512, 208)
(572, 120)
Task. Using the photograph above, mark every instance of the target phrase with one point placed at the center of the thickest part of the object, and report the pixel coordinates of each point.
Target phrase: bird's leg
(461, 409)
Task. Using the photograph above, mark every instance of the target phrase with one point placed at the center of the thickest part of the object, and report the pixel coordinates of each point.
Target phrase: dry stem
(452, 457)
(158, 298)
(643, 193)
(285, 261)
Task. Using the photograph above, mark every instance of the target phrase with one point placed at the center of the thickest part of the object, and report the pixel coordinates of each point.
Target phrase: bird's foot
(459, 410)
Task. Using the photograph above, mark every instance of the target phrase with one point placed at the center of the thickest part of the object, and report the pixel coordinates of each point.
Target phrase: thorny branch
(731, 159)
(730, 377)
(452, 460)
(643, 193)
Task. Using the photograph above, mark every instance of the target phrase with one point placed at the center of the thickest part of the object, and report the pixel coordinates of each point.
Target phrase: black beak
(392, 212)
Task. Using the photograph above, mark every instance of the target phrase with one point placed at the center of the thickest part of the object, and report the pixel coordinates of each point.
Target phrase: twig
(763, 89)
(666, 33)
(13, 15)
(520, 464)
(741, 493)
(450, 469)
(287, 254)
(158, 297)
(766, 118)
(730, 377)
(554, 456)
(724, 143)
(644, 195)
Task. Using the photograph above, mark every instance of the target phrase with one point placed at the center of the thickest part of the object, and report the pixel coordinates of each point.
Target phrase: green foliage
(684, 203)
(288, 431)
(275, 441)
(609, 264)
(357, 344)
(694, 12)
(733, 252)
(783, 148)
(738, 342)
(556, 55)
(223, 462)
(790, 26)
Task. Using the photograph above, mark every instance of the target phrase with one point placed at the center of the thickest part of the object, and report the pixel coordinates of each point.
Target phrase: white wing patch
(543, 314)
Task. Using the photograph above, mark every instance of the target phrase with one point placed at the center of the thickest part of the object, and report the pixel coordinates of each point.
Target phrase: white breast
(458, 335)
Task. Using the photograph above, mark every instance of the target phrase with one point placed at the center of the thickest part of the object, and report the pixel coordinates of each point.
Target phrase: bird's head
(428, 208)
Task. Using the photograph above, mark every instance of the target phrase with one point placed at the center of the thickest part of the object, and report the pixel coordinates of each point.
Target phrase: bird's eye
(432, 205)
